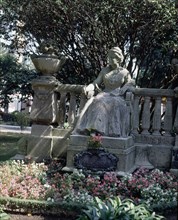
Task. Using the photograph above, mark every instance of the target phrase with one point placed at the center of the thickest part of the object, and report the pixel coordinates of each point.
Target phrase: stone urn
(47, 64)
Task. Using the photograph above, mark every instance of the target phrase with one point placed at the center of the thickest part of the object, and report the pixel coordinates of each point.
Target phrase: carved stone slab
(95, 160)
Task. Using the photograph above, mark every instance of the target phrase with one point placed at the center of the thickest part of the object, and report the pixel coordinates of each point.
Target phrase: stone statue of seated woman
(107, 113)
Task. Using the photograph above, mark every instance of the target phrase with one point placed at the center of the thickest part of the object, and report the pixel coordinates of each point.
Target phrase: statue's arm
(89, 90)
(129, 84)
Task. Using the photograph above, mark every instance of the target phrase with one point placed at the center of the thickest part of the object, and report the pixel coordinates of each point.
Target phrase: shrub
(116, 209)
(22, 119)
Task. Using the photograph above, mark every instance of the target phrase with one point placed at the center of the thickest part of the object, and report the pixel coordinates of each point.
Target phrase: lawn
(8, 145)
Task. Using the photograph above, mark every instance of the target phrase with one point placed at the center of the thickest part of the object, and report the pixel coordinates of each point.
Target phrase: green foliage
(3, 215)
(145, 30)
(95, 141)
(22, 119)
(8, 146)
(14, 78)
(113, 209)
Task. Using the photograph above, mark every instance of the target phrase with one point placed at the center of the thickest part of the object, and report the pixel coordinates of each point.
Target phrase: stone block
(159, 155)
(78, 140)
(41, 130)
(126, 162)
(60, 132)
(118, 143)
(39, 148)
(59, 147)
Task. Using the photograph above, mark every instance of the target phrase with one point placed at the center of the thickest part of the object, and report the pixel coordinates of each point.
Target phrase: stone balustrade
(153, 109)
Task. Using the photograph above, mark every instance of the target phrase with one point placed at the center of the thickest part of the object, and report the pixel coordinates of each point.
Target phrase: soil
(172, 215)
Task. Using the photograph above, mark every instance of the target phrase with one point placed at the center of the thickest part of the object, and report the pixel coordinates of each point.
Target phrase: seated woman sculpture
(107, 113)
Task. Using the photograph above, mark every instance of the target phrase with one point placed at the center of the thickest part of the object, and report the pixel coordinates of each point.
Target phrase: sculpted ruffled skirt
(105, 114)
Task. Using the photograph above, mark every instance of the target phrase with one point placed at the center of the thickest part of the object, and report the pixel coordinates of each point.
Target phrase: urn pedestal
(45, 138)
(44, 109)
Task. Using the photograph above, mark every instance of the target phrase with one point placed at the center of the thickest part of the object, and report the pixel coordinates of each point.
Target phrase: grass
(8, 145)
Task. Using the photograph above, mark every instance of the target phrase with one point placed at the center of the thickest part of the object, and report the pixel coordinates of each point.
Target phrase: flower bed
(47, 183)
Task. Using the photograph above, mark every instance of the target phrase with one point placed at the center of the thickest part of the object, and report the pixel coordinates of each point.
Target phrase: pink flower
(95, 141)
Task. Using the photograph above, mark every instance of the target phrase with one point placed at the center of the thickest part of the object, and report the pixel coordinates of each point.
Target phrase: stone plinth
(44, 109)
(122, 148)
(46, 142)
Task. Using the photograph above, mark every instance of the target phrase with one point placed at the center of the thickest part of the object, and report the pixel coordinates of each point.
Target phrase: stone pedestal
(46, 142)
(122, 148)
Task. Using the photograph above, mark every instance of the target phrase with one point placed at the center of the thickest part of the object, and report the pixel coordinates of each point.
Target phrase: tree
(14, 78)
(84, 30)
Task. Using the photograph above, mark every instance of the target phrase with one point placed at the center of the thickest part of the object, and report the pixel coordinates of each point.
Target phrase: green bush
(22, 119)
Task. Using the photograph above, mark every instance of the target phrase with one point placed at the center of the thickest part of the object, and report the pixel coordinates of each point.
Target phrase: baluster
(136, 112)
(72, 109)
(157, 117)
(146, 115)
(62, 110)
(168, 117)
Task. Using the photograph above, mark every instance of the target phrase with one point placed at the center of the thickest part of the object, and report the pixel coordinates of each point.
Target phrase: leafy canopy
(84, 30)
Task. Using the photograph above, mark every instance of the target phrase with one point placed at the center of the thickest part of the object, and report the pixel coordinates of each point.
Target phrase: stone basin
(46, 64)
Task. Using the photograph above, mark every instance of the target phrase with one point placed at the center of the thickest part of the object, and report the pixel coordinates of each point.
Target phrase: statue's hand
(127, 88)
(89, 90)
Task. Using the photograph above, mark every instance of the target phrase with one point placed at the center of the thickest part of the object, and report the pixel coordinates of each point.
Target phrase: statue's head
(115, 56)
(118, 52)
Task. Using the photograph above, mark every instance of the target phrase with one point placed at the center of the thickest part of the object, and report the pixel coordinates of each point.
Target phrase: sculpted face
(115, 57)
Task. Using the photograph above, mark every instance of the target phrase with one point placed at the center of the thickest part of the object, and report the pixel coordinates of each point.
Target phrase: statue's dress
(107, 113)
